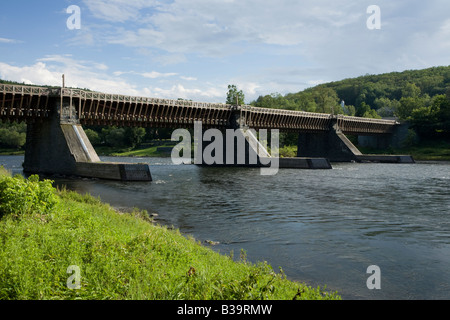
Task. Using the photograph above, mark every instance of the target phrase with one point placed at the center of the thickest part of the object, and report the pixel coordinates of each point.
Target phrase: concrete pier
(336, 147)
(385, 158)
(114, 171)
(61, 147)
(304, 163)
(240, 148)
(332, 145)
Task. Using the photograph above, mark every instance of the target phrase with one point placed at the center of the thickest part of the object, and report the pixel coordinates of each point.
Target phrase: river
(322, 227)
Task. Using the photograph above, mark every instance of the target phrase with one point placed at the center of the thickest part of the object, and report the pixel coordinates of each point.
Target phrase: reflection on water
(321, 227)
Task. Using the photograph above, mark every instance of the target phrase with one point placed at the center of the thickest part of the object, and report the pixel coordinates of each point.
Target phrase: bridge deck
(28, 103)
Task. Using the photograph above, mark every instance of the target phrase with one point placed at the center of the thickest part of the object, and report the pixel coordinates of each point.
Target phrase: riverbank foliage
(12, 136)
(421, 97)
(119, 255)
(422, 151)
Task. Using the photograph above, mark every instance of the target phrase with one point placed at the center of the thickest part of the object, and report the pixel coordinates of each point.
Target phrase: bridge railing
(27, 101)
(24, 90)
(19, 103)
(356, 125)
(104, 108)
(92, 95)
(287, 120)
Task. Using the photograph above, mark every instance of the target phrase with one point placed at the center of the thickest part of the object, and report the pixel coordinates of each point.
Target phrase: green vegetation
(235, 96)
(422, 151)
(44, 231)
(12, 138)
(156, 148)
(390, 94)
(421, 97)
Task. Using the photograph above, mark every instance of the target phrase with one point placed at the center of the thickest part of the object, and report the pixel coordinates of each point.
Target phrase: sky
(194, 49)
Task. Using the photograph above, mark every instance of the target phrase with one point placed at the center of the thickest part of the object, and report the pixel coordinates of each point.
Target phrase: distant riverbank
(426, 151)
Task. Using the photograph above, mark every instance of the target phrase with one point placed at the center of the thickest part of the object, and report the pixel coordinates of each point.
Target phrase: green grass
(122, 256)
(438, 151)
(288, 152)
(11, 152)
(424, 151)
(146, 152)
(150, 151)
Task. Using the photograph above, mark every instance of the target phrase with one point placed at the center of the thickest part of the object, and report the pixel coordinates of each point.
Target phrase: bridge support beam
(394, 140)
(56, 147)
(238, 146)
(332, 145)
(336, 147)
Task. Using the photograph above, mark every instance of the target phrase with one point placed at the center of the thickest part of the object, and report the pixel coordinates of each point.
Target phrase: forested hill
(392, 86)
(419, 96)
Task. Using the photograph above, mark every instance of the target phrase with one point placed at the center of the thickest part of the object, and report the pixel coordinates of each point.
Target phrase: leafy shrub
(21, 196)
(93, 137)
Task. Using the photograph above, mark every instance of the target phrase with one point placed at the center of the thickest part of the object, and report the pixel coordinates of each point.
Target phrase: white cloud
(94, 76)
(188, 78)
(209, 27)
(84, 74)
(149, 75)
(155, 75)
(5, 40)
(34, 74)
(330, 34)
(262, 46)
(118, 10)
(211, 94)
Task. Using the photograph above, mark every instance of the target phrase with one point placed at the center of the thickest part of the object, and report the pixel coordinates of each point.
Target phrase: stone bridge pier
(58, 145)
(239, 146)
(335, 146)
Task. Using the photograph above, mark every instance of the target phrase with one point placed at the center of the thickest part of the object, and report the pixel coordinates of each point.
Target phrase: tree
(327, 101)
(133, 136)
(234, 96)
(411, 91)
(13, 135)
(432, 121)
(409, 104)
(371, 113)
(441, 105)
(116, 137)
(12, 139)
(350, 110)
(362, 109)
(93, 137)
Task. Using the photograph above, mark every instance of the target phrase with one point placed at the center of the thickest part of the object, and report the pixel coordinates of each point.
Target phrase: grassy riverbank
(43, 231)
(424, 151)
(155, 149)
(11, 152)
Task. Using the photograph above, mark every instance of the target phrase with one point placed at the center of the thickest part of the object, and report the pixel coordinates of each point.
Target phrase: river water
(322, 227)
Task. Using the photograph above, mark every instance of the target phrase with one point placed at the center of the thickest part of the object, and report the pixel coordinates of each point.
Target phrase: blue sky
(194, 49)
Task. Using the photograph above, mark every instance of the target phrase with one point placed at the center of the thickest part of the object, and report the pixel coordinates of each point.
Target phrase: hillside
(421, 97)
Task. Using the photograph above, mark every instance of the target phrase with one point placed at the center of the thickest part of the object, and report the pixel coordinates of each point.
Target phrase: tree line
(421, 97)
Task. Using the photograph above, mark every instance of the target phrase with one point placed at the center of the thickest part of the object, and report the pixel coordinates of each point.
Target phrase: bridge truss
(30, 103)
